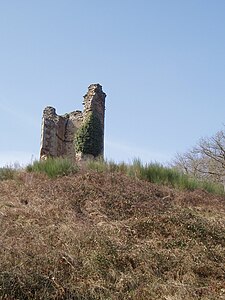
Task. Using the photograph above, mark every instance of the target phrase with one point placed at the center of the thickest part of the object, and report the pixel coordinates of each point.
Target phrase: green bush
(53, 167)
(7, 173)
(101, 165)
(157, 173)
(88, 139)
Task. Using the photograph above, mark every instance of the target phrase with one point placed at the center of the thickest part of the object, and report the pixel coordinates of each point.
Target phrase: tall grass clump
(7, 173)
(53, 167)
(101, 165)
(212, 187)
(156, 173)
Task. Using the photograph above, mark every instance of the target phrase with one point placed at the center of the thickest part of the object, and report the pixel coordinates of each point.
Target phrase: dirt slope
(107, 236)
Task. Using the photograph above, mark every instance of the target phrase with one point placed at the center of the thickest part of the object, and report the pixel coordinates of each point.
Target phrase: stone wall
(58, 132)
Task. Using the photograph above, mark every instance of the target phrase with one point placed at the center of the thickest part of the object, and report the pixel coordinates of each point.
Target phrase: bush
(157, 173)
(7, 173)
(53, 167)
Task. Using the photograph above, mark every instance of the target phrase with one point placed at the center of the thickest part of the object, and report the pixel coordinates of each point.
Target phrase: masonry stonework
(58, 132)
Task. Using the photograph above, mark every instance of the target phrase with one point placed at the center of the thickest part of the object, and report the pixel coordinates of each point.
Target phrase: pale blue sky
(160, 62)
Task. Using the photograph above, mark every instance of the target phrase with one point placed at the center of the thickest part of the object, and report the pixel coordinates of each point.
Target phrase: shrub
(53, 167)
(7, 173)
(157, 173)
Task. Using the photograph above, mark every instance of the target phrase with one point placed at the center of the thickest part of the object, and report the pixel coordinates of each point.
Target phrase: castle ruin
(58, 132)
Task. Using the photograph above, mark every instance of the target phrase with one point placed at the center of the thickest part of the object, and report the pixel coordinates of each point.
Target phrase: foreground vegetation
(7, 173)
(152, 172)
(104, 235)
(53, 167)
(156, 173)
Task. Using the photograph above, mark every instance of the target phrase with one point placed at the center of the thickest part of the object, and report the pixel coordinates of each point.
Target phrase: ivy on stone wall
(89, 137)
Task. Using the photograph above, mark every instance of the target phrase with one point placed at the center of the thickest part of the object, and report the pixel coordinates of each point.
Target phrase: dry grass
(107, 236)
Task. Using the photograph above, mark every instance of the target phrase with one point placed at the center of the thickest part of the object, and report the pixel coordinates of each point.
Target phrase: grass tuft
(156, 173)
(53, 167)
(7, 173)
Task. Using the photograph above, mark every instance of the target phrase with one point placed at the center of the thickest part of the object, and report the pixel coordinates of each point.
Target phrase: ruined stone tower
(58, 132)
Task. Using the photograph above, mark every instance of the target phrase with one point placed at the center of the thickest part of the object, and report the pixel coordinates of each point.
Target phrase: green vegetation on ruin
(88, 139)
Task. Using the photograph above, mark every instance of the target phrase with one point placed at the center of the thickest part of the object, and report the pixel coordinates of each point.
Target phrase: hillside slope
(107, 236)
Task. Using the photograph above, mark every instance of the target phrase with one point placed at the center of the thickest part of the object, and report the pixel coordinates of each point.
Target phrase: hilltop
(104, 235)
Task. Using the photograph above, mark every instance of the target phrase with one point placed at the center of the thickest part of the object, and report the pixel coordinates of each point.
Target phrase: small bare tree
(206, 160)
